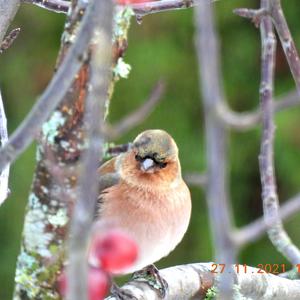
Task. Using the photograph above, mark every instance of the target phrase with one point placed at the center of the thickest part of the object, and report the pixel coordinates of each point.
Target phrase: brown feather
(108, 167)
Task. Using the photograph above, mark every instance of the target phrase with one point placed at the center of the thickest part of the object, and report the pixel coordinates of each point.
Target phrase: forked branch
(276, 232)
(52, 96)
(140, 9)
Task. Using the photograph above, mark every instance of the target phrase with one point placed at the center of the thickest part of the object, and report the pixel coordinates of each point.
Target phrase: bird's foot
(121, 294)
(151, 276)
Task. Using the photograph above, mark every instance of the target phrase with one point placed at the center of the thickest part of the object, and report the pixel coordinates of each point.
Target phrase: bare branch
(58, 6)
(216, 135)
(290, 100)
(253, 14)
(115, 150)
(286, 39)
(192, 282)
(276, 232)
(138, 116)
(253, 231)
(247, 120)
(196, 179)
(51, 97)
(140, 9)
(8, 9)
(9, 39)
(4, 191)
(239, 121)
(94, 119)
(250, 13)
(244, 121)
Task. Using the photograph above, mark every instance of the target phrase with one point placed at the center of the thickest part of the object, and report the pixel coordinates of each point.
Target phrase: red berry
(62, 283)
(115, 251)
(98, 284)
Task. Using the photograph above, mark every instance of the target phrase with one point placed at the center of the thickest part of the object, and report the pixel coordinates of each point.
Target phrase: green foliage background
(163, 47)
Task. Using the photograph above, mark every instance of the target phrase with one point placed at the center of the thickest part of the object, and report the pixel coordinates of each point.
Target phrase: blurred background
(163, 47)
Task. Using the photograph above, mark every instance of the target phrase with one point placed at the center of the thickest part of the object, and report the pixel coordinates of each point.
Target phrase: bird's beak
(147, 164)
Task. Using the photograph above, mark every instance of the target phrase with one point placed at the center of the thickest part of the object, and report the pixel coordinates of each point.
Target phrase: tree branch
(253, 231)
(196, 179)
(85, 207)
(192, 282)
(4, 191)
(9, 39)
(286, 39)
(253, 14)
(216, 138)
(138, 116)
(247, 120)
(140, 9)
(8, 9)
(143, 9)
(58, 6)
(276, 232)
(47, 215)
(52, 96)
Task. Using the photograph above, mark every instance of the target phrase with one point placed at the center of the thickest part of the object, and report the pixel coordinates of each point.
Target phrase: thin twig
(143, 9)
(115, 150)
(240, 121)
(276, 232)
(253, 231)
(286, 40)
(216, 149)
(51, 97)
(58, 6)
(289, 100)
(9, 39)
(139, 115)
(253, 14)
(250, 13)
(246, 120)
(4, 191)
(94, 119)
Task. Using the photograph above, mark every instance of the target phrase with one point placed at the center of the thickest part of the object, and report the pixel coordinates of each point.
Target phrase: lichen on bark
(53, 190)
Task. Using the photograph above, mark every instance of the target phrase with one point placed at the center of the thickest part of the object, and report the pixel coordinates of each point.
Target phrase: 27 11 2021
(245, 269)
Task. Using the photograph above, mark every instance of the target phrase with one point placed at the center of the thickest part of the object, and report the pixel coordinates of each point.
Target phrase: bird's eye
(162, 165)
(138, 158)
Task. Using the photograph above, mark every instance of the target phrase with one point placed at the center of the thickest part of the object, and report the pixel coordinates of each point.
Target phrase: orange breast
(156, 218)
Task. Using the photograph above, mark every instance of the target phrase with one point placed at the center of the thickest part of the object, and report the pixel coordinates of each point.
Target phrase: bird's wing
(109, 175)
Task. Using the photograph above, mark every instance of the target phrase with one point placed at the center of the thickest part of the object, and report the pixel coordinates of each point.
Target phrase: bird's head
(154, 150)
(152, 161)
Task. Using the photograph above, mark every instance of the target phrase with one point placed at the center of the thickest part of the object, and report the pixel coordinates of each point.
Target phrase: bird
(147, 196)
